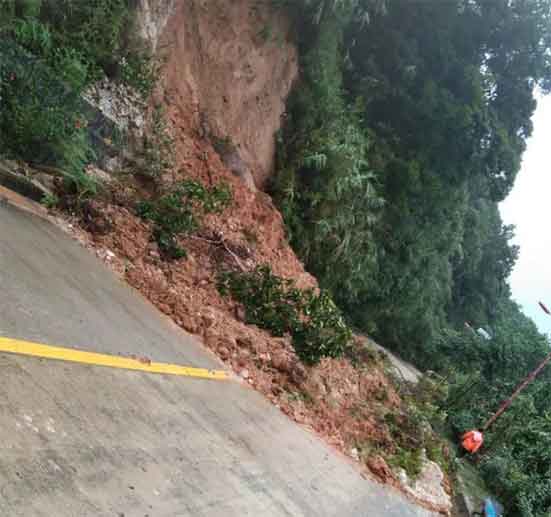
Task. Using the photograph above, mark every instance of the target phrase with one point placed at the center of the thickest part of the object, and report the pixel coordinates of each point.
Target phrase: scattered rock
(95, 219)
(244, 342)
(378, 466)
(260, 347)
(429, 487)
(244, 374)
(244, 356)
(98, 174)
(224, 353)
(153, 251)
(282, 362)
(265, 358)
(211, 338)
(190, 324)
(163, 307)
(227, 341)
(298, 373)
(208, 321)
(240, 313)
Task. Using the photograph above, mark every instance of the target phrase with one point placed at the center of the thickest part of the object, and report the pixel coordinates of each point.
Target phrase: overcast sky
(528, 207)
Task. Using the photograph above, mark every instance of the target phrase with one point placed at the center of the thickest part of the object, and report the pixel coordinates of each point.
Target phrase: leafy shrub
(40, 119)
(33, 35)
(71, 66)
(139, 70)
(271, 302)
(51, 50)
(95, 28)
(411, 460)
(324, 334)
(179, 211)
(277, 305)
(101, 30)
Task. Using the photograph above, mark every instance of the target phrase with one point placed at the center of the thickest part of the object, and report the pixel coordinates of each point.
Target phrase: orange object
(472, 441)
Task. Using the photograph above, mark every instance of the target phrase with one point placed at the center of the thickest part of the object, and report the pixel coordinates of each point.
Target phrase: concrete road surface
(81, 440)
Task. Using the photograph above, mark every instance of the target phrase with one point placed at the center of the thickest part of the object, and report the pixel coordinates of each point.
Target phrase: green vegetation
(157, 153)
(325, 188)
(178, 212)
(41, 120)
(405, 131)
(277, 305)
(51, 50)
(516, 463)
(420, 427)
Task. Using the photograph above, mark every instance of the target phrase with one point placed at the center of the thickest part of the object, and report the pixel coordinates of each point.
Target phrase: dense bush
(397, 147)
(325, 188)
(41, 119)
(178, 212)
(51, 50)
(277, 305)
(405, 131)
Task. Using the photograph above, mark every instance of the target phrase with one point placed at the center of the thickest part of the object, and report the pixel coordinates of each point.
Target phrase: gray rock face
(238, 167)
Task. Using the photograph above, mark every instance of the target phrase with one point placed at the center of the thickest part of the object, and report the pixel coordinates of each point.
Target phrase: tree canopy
(405, 131)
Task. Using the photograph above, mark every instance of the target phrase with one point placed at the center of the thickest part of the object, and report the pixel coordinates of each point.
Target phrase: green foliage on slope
(179, 211)
(50, 51)
(312, 320)
(406, 129)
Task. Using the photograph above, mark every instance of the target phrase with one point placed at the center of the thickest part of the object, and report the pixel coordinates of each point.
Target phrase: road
(79, 440)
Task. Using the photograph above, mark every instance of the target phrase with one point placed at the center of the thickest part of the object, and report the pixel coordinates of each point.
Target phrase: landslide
(227, 70)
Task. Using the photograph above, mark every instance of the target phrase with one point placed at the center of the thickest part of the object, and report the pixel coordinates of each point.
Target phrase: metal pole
(522, 385)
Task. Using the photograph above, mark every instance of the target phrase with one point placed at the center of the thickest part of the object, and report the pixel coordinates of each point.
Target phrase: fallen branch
(221, 242)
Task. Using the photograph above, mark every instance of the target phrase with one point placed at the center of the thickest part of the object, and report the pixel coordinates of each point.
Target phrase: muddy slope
(229, 69)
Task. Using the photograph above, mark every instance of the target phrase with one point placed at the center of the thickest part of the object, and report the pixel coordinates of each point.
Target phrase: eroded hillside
(223, 87)
(225, 72)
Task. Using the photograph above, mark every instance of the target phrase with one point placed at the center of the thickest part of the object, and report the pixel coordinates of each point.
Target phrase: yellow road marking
(15, 346)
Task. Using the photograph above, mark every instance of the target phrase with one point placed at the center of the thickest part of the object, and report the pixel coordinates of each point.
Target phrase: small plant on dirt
(266, 33)
(157, 154)
(179, 211)
(277, 305)
(50, 201)
(411, 460)
(140, 71)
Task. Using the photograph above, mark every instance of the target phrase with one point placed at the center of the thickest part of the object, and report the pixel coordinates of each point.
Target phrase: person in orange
(472, 441)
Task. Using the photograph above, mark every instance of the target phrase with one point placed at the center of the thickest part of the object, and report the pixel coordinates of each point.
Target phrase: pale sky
(528, 207)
